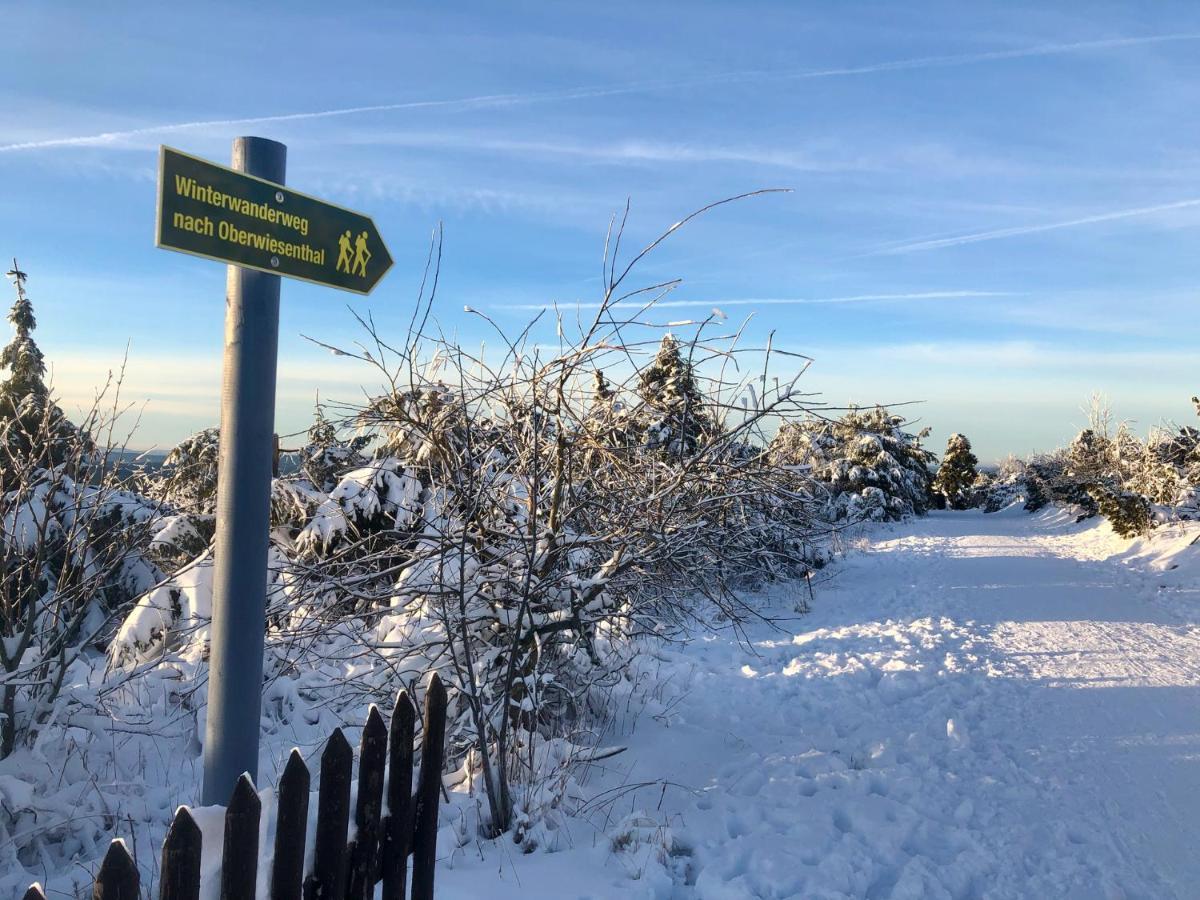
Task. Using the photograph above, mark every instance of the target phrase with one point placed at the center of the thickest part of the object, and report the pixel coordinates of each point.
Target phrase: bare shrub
(515, 518)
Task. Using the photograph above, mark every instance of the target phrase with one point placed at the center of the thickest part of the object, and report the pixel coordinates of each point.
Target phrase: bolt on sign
(209, 210)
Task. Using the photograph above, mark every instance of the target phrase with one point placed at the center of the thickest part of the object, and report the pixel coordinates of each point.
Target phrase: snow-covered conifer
(326, 457)
(677, 421)
(32, 426)
(22, 357)
(1130, 514)
(873, 468)
(188, 479)
(957, 474)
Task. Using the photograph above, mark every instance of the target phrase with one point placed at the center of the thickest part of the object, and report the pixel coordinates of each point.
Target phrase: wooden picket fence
(382, 844)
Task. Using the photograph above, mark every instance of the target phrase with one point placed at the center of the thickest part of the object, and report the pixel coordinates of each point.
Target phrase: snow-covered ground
(977, 706)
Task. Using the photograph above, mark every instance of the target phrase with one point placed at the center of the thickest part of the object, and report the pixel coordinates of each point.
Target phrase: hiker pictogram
(344, 257)
(361, 255)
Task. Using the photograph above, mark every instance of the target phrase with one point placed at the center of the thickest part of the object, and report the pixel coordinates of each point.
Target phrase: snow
(185, 600)
(362, 494)
(28, 522)
(977, 706)
(15, 794)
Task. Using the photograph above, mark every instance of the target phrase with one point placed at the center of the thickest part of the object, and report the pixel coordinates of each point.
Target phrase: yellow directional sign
(209, 210)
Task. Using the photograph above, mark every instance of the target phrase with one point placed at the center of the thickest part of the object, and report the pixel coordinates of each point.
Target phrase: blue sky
(1012, 187)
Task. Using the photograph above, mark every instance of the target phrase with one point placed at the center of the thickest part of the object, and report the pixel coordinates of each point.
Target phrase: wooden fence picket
(429, 789)
(239, 856)
(397, 828)
(181, 853)
(328, 878)
(372, 758)
(291, 825)
(118, 877)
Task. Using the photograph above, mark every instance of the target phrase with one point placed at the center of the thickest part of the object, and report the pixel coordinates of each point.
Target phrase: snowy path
(977, 706)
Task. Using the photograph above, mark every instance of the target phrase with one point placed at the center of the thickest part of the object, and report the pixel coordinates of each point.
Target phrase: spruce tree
(22, 357)
(955, 479)
(602, 391)
(33, 430)
(678, 420)
(874, 469)
(188, 477)
(325, 457)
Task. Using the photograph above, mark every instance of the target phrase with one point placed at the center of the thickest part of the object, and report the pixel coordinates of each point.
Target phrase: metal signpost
(246, 217)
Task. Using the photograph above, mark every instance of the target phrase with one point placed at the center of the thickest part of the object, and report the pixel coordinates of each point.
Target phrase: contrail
(963, 59)
(773, 301)
(485, 101)
(1016, 231)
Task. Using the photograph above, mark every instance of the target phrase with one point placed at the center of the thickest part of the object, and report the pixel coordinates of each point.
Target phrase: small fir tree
(678, 422)
(326, 457)
(22, 357)
(32, 427)
(873, 468)
(1090, 457)
(188, 479)
(1088, 463)
(957, 474)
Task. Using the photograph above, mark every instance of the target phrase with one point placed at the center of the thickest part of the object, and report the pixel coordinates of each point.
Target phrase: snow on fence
(378, 853)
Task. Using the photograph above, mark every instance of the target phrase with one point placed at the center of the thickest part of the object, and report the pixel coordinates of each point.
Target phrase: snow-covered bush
(873, 468)
(1130, 515)
(72, 542)
(1006, 487)
(1164, 468)
(540, 546)
(1067, 475)
(1111, 472)
(957, 475)
(71, 554)
(1050, 478)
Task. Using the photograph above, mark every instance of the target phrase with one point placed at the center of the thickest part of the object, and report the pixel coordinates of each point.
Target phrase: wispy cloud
(485, 101)
(462, 103)
(772, 301)
(624, 151)
(963, 59)
(951, 364)
(1028, 360)
(1019, 230)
